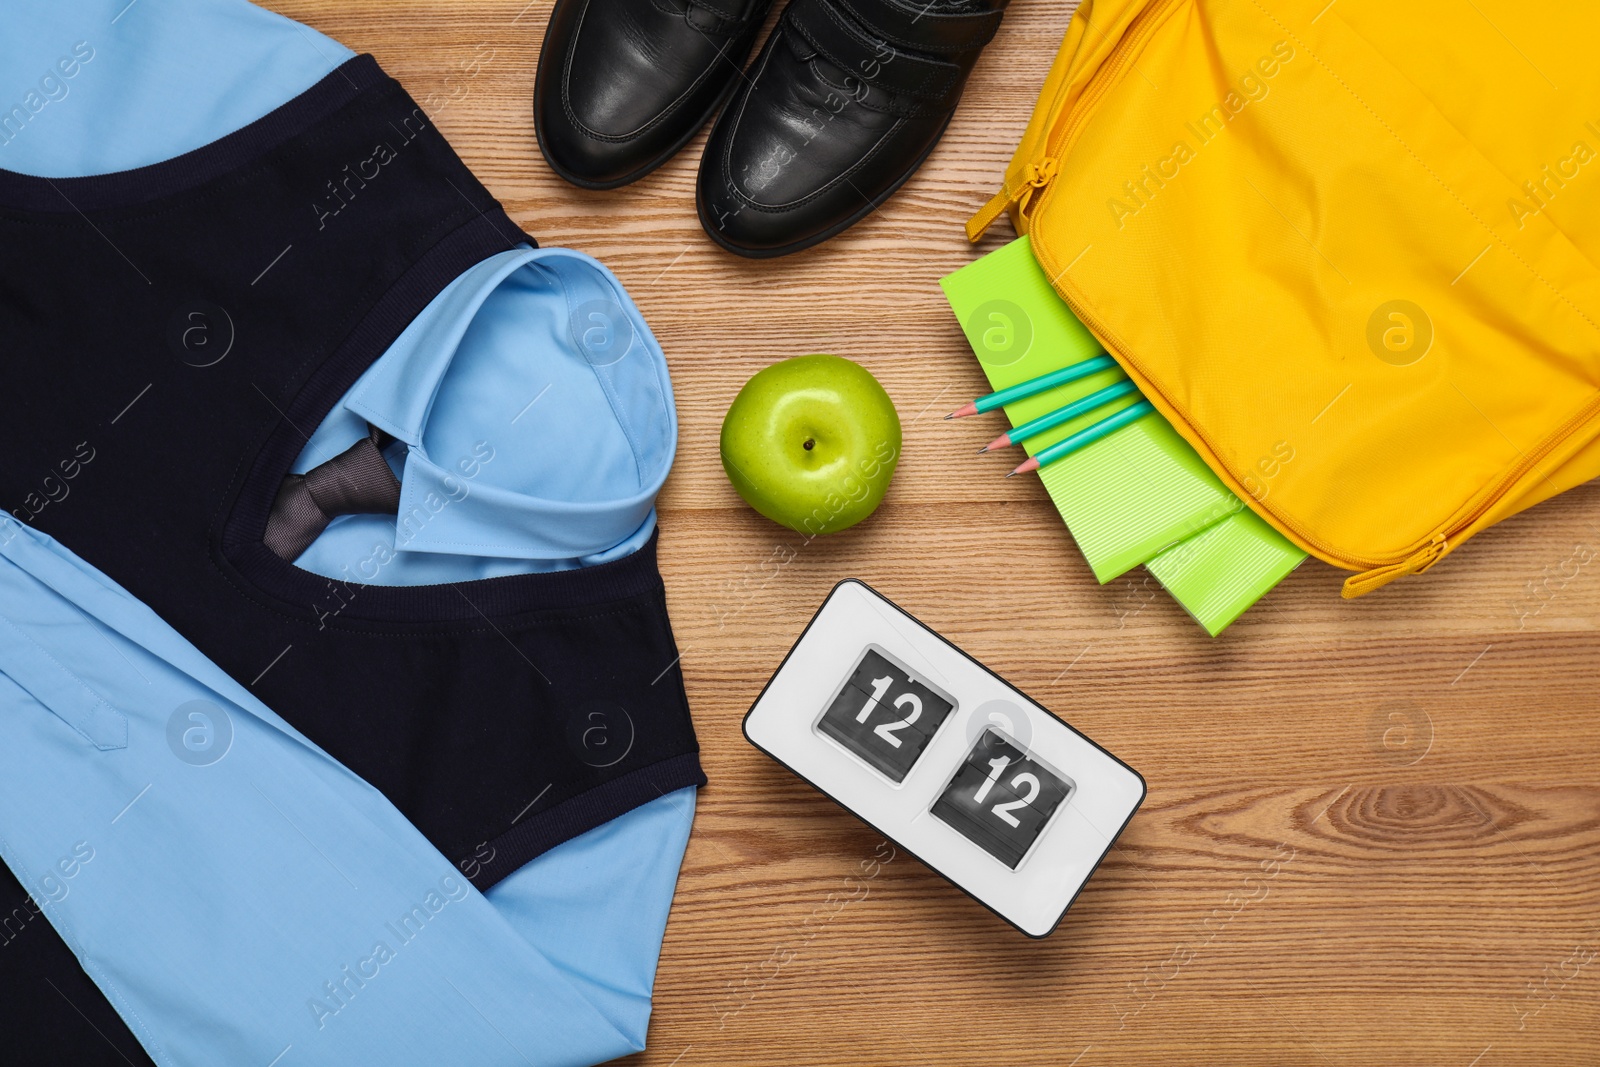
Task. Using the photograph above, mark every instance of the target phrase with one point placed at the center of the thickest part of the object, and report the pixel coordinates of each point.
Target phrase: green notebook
(1133, 495)
(1222, 570)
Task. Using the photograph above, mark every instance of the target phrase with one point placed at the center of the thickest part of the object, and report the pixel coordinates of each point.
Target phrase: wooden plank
(1373, 827)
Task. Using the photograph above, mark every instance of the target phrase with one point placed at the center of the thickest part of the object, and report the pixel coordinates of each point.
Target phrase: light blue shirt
(163, 78)
(242, 898)
(593, 438)
(542, 352)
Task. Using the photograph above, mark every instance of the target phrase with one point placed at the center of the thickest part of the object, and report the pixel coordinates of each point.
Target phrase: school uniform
(206, 352)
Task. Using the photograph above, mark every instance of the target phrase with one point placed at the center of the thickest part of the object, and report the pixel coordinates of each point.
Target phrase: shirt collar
(445, 507)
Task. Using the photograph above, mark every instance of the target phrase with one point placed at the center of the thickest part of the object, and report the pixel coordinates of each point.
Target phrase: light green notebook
(1133, 495)
(1223, 569)
(1126, 497)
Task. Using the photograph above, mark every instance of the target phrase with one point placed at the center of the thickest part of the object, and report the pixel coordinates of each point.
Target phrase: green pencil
(1068, 445)
(1070, 373)
(1064, 414)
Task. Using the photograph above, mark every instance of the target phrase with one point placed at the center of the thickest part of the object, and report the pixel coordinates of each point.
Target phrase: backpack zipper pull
(1361, 584)
(1035, 177)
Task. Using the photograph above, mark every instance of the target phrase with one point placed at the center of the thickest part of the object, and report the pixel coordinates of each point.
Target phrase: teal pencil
(1068, 445)
(1049, 422)
(1070, 373)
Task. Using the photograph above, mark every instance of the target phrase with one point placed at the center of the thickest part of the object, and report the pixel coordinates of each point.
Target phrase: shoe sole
(832, 231)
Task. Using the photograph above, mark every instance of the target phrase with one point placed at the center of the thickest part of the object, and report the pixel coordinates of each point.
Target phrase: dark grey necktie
(357, 480)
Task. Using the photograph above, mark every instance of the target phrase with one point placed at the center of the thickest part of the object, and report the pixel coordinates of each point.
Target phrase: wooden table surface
(1373, 828)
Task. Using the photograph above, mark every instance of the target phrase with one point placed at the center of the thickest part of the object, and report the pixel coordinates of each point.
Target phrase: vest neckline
(127, 188)
(237, 538)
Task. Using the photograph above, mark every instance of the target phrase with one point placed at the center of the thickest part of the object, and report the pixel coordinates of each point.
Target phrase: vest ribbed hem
(537, 834)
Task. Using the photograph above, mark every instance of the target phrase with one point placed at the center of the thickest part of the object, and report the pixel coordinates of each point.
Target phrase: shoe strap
(916, 24)
(876, 63)
(737, 11)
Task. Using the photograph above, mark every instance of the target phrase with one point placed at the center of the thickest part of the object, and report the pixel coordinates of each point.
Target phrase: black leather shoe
(844, 103)
(624, 84)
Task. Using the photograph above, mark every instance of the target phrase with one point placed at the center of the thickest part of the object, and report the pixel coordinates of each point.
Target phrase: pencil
(1055, 418)
(1070, 373)
(1068, 445)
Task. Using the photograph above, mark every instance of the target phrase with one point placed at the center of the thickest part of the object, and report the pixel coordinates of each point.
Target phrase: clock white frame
(1036, 895)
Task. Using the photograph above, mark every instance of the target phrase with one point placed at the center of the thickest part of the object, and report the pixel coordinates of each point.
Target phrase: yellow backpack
(1361, 233)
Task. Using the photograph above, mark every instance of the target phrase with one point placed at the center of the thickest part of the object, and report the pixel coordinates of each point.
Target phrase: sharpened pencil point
(969, 408)
(1029, 464)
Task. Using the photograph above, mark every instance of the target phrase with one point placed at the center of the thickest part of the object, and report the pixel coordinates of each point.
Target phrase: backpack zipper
(1377, 577)
(1037, 175)
(1373, 573)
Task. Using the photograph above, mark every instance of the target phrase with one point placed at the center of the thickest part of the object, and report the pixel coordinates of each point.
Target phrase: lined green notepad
(1124, 498)
(1222, 570)
(1141, 492)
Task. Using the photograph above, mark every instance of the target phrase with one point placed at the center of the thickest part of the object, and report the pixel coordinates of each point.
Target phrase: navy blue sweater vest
(501, 716)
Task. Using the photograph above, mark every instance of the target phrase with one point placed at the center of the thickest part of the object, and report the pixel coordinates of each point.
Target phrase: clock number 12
(1003, 812)
(886, 730)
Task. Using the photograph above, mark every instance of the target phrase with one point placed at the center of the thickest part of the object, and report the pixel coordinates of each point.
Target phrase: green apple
(811, 443)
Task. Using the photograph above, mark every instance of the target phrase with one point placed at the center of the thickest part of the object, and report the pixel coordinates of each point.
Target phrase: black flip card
(1001, 798)
(885, 715)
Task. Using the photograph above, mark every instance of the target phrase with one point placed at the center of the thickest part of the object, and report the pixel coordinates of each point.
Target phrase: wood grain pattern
(1373, 828)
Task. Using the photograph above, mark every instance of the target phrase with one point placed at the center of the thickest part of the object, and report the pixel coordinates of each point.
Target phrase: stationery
(1223, 569)
(1085, 437)
(1134, 495)
(1034, 386)
(1034, 427)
